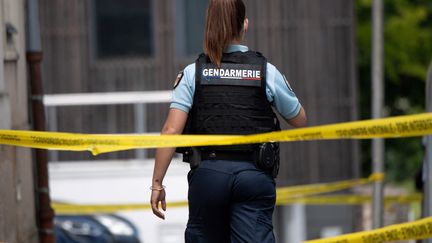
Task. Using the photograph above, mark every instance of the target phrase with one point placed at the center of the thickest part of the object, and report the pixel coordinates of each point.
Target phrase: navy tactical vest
(232, 99)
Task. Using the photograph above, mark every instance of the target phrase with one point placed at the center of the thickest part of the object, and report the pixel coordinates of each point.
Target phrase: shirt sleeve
(280, 93)
(182, 96)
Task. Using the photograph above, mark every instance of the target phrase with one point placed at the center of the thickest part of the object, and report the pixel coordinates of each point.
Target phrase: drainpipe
(45, 213)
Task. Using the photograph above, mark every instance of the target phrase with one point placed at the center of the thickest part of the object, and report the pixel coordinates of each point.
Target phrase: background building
(17, 203)
(140, 45)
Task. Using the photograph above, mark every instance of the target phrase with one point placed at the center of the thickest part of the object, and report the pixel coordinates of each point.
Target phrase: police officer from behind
(228, 90)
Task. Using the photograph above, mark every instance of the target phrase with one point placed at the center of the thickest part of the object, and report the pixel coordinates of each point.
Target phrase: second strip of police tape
(71, 209)
(285, 195)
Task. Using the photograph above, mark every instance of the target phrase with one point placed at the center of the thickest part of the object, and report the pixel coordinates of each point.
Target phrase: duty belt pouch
(268, 158)
(194, 157)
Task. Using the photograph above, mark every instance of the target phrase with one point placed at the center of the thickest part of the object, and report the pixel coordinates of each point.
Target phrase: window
(123, 28)
(190, 16)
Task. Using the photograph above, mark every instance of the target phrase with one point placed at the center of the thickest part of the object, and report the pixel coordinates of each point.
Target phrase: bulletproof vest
(232, 100)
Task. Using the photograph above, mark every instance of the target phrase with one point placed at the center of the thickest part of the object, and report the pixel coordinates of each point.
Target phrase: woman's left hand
(156, 197)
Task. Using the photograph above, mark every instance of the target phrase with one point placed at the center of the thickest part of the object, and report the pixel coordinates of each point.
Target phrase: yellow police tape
(416, 230)
(306, 190)
(61, 208)
(349, 200)
(403, 126)
(285, 195)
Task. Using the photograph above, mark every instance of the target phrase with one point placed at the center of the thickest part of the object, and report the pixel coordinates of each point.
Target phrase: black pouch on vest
(268, 158)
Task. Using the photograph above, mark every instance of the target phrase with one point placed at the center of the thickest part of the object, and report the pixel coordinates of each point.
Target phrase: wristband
(157, 188)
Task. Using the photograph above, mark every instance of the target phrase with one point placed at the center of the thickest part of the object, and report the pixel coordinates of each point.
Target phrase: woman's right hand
(156, 197)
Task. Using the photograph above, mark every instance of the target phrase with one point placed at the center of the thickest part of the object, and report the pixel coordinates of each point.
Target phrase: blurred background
(109, 65)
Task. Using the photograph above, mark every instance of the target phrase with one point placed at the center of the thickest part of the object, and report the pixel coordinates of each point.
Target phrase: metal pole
(140, 127)
(293, 224)
(377, 109)
(428, 159)
(45, 213)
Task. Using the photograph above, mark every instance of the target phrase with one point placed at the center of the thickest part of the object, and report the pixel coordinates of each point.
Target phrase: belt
(228, 155)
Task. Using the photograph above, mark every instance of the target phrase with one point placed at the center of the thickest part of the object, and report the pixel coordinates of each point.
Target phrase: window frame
(124, 60)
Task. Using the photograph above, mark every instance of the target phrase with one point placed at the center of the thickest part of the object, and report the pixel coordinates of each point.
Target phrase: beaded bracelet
(157, 188)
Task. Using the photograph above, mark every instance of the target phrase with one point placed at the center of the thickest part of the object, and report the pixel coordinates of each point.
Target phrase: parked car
(94, 229)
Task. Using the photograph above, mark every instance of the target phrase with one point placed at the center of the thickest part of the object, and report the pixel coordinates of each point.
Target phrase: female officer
(228, 90)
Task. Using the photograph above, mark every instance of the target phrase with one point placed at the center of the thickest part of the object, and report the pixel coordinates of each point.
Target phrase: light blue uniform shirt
(278, 93)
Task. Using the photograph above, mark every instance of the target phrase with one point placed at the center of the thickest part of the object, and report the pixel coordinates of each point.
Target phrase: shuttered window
(123, 28)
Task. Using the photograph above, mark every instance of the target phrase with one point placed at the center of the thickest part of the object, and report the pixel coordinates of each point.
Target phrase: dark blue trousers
(230, 202)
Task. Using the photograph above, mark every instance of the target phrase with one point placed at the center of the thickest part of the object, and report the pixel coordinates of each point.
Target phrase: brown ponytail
(224, 23)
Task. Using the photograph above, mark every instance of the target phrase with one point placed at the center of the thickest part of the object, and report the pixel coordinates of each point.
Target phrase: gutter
(45, 213)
